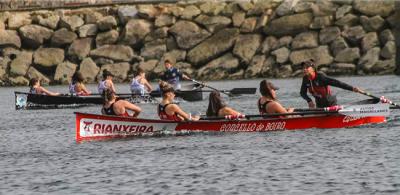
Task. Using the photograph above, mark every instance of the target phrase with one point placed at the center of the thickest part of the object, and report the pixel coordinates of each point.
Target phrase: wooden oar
(353, 110)
(382, 99)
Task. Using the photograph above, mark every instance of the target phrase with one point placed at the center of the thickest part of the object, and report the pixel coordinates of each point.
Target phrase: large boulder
(175, 55)
(212, 8)
(188, 34)
(305, 40)
(219, 68)
(87, 30)
(338, 45)
(159, 33)
(348, 55)
(372, 8)
(285, 8)
(354, 34)
(119, 70)
(347, 20)
(114, 52)
(372, 24)
(50, 21)
(33, 73)
(328, 35)
(89, 70)
(384, 67)
(153, 50)
(80, 48)
(164, 20)
(34, 35)
(148, 66)
(255, 67)
(230, 9)
(389, 50)
(91, 16)
(107, 38)
(368, 60)
(106, 23)
(64, 72)
(18, 81)
(213, 46)
(238, 18)
(343, 10)
(386, 36)
(48, 57)
(281, 55)
(9, 38)
(246, 46)
(369, 41)
(285, 41)
(147, 11)
(320, 55)
(17, 20)
(270, 43)
(323, 8)
(190, 11)
(63, 37)
(213, 23)
(135, 31)
(19, 66)
(248, 25)
(127, 13)
(289, 25)
(321, 22)
(71, 22)
(267, 68)
(341, 69)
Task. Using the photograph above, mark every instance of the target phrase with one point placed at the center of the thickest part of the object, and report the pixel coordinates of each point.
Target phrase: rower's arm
(334, 82)
(133, 108)
(303, 90)
(175, 108)
(230, 111)
(42, 89)
(148, 86)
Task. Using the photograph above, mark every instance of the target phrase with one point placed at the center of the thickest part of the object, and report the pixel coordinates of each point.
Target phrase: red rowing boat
(93, 126)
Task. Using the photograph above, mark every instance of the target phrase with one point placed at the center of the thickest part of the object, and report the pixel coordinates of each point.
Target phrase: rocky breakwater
(208, 40)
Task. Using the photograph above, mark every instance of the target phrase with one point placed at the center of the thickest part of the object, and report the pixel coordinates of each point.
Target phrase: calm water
(38, 152)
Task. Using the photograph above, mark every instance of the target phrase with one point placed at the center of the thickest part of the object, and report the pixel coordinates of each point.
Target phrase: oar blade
(366, 110)
(239, 91)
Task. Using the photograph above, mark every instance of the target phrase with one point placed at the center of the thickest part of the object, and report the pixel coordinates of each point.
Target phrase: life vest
(164, 116)
(136, 87)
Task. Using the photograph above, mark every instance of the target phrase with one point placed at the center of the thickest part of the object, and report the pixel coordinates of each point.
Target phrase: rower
(140, 85)
(217, 108)
(318, 84)
(172, 75)
(115, 107)
(76, 86)
(167, 110)
(36, 88)
(268, 103)
(107, 82)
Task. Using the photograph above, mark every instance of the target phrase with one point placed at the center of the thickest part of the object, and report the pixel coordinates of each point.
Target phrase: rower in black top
(318, 84)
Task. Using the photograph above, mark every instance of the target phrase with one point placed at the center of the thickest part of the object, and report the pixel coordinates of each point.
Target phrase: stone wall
(207, 40)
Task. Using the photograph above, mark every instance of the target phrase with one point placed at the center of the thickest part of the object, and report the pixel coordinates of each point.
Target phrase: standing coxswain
(172, 75)
(106, 83)
(318, 85)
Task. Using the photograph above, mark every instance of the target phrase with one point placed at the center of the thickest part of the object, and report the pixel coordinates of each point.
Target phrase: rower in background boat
(107, 82)
(167, 110)
(115, 107)
(140, 85)
(217, 108)
(36, 88)
(268, 103)
(76, 87)
(318, 84)
(172, 75)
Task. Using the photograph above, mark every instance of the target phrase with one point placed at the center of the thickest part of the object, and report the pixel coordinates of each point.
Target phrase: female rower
(76, 86)
(36, 88)
(140, 85)
(268, 104)
(216, 107)
(167, 110)
(107, 82)
(115, 107)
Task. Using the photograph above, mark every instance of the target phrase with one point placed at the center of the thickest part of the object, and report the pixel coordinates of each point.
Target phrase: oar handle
(201, 83)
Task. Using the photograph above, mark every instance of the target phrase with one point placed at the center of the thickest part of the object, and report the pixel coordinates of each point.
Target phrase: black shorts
(326, 102)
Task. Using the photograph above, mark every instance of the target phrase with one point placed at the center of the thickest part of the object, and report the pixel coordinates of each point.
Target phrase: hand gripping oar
(203, 84)
(382, 99)
(352, 110)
